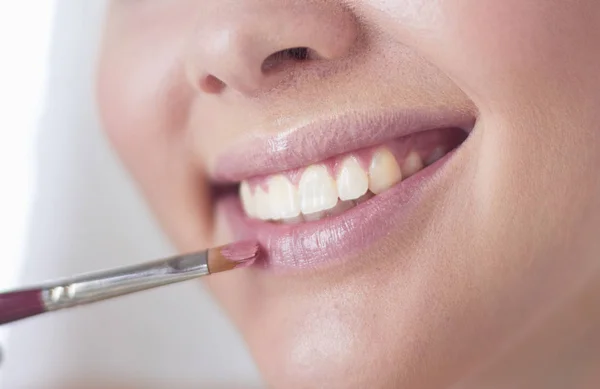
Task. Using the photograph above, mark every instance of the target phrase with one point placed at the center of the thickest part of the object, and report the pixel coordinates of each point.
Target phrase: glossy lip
(318, 140)
(310, 245)
(313, 244)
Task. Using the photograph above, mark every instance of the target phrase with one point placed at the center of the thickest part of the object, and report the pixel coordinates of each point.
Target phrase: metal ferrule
(103, 285)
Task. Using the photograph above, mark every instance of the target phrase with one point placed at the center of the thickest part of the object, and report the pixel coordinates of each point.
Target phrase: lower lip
(327, 241)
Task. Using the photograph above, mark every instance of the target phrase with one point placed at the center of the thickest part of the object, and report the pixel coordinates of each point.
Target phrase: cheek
(143, 101)
(506, 53)
(142, 89)
(501, 53)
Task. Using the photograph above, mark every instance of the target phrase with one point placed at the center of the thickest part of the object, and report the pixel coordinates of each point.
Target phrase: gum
(426, 144)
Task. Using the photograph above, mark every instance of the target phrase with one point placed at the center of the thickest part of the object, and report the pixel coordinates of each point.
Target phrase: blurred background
(68, 207)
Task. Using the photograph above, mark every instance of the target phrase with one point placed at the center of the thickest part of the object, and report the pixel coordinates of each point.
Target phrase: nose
(250, 45)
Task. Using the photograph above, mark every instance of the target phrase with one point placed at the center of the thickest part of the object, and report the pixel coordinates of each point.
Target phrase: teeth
(352, 181)
(293, 220)
(412, 164)
(261, 203)
(319, 195)
(435, 156)
(247, 199)
(340, 207)
(384, 171)
(317, 190)
(314, 216)
(283, 198)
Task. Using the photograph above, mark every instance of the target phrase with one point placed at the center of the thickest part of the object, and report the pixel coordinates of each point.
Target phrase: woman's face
(392, 261)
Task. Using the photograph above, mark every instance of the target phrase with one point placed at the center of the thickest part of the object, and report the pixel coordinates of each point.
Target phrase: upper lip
(316, 140)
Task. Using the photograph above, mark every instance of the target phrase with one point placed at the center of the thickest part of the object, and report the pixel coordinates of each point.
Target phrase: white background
(67, 207)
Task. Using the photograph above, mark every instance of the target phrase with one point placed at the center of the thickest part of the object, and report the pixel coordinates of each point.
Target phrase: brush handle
(103, 285)
(20, 305)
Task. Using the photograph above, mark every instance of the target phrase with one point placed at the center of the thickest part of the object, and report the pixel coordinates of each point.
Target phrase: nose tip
(254, 46)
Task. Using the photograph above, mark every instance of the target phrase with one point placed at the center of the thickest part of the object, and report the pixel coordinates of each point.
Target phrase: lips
(320, 193)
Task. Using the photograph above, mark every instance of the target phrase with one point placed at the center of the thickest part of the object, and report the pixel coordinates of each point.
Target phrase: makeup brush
(88, 288)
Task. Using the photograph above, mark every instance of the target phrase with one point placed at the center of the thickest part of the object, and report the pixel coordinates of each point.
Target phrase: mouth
(319, 193)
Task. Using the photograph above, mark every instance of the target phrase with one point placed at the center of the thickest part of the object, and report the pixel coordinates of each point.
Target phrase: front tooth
(262, 204)
(384, 171)
(317, 190)
(412, 164)
(293, 220)
(283, 198)
(247, 199)
(352, 181)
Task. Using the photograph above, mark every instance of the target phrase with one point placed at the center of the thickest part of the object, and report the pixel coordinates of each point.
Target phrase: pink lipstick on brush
(23, 303)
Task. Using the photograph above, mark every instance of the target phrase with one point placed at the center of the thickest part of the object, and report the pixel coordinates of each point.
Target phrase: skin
(494, 282)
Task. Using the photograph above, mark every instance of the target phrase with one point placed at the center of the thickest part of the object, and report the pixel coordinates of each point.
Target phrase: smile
(323, 191)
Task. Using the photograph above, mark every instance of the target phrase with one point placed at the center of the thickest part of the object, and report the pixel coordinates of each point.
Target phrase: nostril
(298, 53)
(211, 84)
(295, 54)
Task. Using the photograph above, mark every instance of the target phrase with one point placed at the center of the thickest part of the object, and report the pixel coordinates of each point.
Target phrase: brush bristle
(244, 252)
